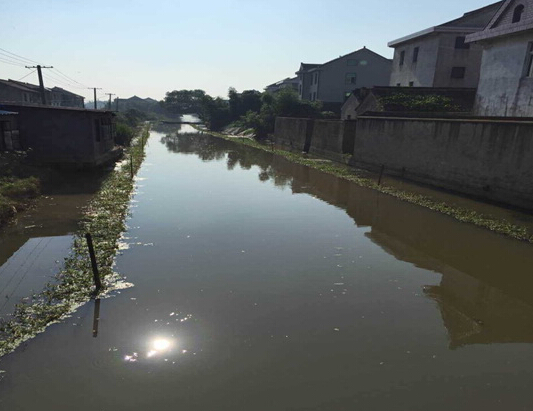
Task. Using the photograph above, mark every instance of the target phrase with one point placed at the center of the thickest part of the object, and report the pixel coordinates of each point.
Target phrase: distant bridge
(180, 122)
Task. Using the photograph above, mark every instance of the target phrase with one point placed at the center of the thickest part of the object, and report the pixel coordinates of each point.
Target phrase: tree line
(249, 109)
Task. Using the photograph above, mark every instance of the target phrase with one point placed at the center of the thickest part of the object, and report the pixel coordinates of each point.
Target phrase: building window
(351, 78)
(411, 84)
(517, 14)
(316, 78)
(458, 72)
(352, 62)
(402, 57)
(314, 96)
(460, 43)
(529, 60)
(415, 54)
(398, 84)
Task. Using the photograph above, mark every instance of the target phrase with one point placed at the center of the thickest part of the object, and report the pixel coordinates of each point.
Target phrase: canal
(260, 284)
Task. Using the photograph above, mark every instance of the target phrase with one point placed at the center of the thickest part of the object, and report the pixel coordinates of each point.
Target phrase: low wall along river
(488, 158)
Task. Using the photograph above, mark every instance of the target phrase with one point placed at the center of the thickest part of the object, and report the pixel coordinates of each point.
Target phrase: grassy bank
(104, 218)
(19, 185)
(461, 214)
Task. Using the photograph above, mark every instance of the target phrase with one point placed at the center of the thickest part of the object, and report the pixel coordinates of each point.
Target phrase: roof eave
(431, 30)
(499, 32)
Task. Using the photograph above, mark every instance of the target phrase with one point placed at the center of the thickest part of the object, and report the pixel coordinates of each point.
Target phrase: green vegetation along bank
(19, 185)
(465, 215)
(104, 218)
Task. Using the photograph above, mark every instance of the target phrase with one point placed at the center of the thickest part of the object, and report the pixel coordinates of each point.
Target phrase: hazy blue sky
(150, 47)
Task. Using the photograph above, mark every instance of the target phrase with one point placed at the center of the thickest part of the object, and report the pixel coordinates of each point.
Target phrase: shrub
(124, 134)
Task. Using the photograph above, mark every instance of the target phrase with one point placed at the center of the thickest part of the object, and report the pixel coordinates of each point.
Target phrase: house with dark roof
(65, 98)
(506, 74)
(17, 92)
(63, 136)
(291, 83)
(439, 56)
(138, 103)
(334, 81)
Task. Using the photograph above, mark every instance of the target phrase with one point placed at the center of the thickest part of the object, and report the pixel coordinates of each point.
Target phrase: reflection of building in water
(484, 295)
(476, 313)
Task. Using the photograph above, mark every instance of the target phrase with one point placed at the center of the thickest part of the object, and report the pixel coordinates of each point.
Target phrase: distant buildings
(334, 81)
(137, 103)
(291, 83)
(506, 80)
(17, 92)
(439, 56)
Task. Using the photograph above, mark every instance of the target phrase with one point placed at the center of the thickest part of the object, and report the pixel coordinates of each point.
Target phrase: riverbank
(361, 178)
(20, 185)
(104, 218)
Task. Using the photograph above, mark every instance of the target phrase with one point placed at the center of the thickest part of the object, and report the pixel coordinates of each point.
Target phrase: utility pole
(110, 94)
(95, 88)
(41, 83)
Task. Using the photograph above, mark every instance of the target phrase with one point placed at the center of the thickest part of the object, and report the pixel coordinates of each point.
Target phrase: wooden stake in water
(96, 317)
(96, 274)
(381, 174)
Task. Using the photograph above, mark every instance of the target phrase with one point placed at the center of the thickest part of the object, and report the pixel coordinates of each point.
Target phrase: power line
(10, 62)
(16, 55)
(17, 60)
(63, 83)
(14, 59)
(29, 74)
(69, 78)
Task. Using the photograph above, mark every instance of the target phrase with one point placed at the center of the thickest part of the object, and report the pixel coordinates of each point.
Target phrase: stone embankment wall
(488, 158)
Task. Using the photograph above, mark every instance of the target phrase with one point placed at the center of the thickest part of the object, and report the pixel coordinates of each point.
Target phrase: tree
(183, 101)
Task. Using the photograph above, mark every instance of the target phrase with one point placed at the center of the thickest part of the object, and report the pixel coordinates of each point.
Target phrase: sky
(146, 48)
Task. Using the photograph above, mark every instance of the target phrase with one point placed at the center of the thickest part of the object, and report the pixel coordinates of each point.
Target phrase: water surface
(265, 285)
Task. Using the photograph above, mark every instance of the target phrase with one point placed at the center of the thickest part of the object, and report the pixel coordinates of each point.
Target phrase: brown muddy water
(32, 248)
(265, 285)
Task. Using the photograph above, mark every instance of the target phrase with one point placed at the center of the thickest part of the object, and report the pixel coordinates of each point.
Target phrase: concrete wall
(305, 80)
(349, 108)
(294, 132)
(421, 73)
(504, 89)
(332, 139)
(490, 159)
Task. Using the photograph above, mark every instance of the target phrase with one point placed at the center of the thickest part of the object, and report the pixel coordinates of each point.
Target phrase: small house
(63, 136)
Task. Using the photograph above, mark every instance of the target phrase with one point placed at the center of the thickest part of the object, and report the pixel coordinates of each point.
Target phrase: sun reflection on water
(156, 346)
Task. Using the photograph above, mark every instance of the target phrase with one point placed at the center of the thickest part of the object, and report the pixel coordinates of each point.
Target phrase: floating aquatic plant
(104, 218)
